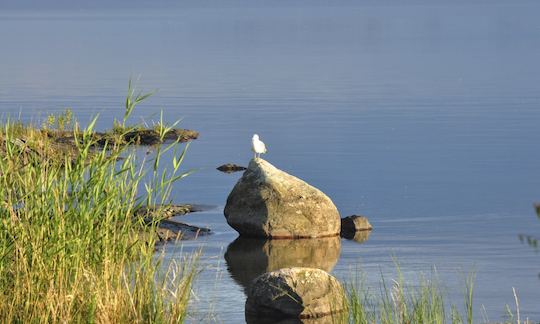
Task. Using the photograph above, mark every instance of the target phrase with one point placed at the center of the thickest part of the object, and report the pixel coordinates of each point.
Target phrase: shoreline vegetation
(424, 300)
(79, 214)
(73, 247)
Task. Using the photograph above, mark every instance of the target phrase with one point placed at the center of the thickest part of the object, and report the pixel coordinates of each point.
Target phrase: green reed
(399, 302)
(71, 249)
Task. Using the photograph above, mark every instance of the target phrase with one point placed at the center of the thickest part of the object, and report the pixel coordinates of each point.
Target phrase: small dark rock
(230, 168)
(355, 223)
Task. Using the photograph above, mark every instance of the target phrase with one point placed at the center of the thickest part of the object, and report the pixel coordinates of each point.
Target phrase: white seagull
(257, 146)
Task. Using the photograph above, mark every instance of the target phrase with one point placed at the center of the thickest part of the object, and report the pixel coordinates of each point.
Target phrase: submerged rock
(230, 168)
(164, 211)
(248, 258)
(294, 293)
(267, 202)
(171, 230)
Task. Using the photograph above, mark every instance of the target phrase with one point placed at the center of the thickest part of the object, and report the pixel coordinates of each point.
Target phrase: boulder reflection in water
(248, 258)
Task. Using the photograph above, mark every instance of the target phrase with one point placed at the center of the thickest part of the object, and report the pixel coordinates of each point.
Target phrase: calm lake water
(423, 117)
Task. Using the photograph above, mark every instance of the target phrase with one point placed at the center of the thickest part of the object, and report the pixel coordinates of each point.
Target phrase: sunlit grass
(71, 249)
(424, 300)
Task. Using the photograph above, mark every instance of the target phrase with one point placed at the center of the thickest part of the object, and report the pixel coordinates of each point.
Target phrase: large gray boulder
(295, 293)
(267, 202)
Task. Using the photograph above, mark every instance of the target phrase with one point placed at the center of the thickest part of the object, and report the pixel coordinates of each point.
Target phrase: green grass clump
(71, 249)
(398, 302)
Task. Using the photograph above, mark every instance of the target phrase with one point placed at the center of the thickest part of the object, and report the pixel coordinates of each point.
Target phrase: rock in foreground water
(295, 293)
(268, 202)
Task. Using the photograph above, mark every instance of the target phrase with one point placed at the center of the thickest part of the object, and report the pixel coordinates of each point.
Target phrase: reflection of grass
(531, 240)
(70, 247)
(398, 302)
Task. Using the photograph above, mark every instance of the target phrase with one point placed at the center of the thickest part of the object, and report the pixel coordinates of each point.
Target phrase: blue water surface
(423, 116)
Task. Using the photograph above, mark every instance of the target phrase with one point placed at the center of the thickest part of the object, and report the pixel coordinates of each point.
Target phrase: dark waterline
(423, 118)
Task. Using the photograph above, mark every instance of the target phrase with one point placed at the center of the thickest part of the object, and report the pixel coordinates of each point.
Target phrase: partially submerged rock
(248, 258)
(267, 202)
(230, 168)
(164, 212)
(137, 136)
(171, 230)
(294, 293)
(355, 223)
(59, 146)
(151, 136)
(355, 227)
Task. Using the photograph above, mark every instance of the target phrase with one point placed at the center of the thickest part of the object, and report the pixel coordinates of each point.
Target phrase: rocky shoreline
(135, 136)
(172, 230)
(297, 226)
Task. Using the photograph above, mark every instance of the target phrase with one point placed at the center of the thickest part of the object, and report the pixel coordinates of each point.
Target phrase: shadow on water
(247, 258)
